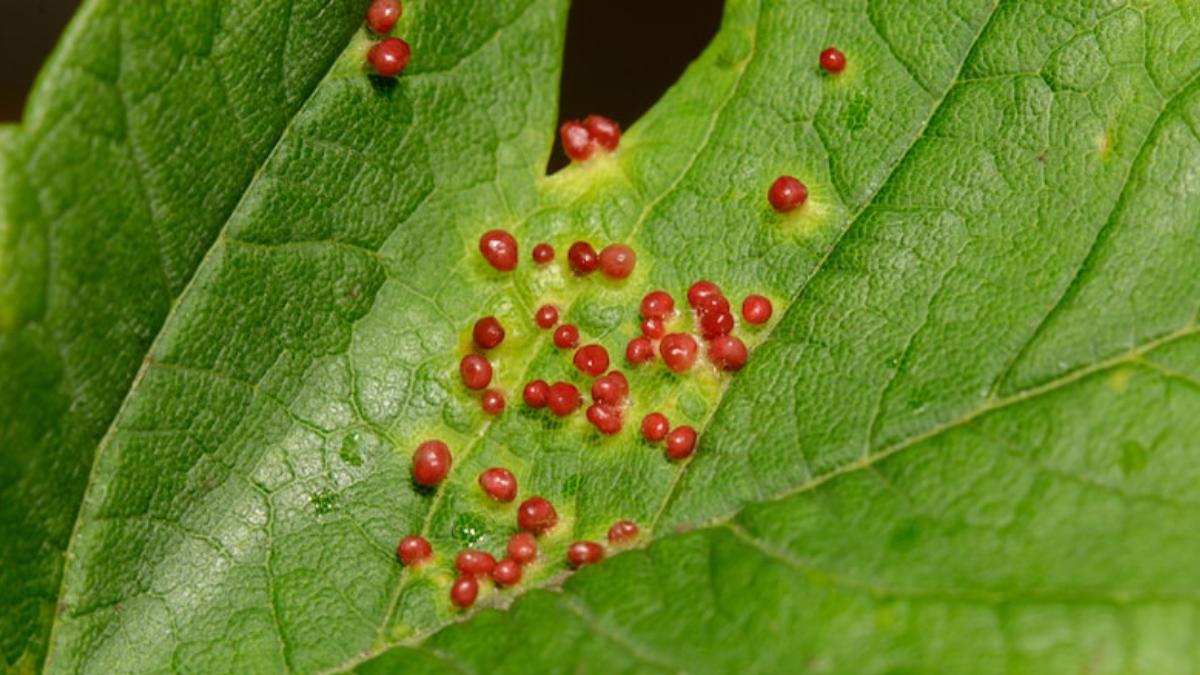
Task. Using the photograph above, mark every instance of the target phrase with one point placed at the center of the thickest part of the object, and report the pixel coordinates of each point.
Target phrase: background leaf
(964, 445)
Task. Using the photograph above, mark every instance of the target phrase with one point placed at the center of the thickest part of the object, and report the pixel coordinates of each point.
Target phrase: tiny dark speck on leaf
(468, 529)
(324, 502)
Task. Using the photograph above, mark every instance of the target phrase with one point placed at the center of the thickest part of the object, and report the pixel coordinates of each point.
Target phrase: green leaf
(964, 444)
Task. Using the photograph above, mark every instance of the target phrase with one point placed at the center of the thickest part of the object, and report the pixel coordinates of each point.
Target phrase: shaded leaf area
(963, 442)
(138, 141)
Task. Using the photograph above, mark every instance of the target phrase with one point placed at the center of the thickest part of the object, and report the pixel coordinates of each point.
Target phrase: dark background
(621, 54)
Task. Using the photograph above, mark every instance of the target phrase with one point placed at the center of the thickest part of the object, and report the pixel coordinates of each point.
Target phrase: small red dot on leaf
(389, 57)
(431, 462)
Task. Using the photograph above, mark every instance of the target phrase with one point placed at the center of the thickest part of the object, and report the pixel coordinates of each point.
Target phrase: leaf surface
(963, 444)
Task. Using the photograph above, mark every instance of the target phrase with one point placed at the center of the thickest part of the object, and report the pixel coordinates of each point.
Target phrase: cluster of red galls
(499, 248)
(389, 56)
(535, 516)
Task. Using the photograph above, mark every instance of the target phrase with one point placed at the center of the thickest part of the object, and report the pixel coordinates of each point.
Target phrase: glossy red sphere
(464, 591)
(606, 418)
(622, 532)
(492, 401)
(591, 360)
(604, 131)
(522, 547)
(499, 484)
(655, 427)
(499, 248)
(787, 193)
(617, 261)
(653, 328)
(639, 350)
(546, 316)
(389, 57)
(681, 442)
(535, 393)
(756, 309)
(714, 324)
(536, 515)
(833, 60)
(430, 463)
(413, 550)
(657, 305)
(563, 398)
(583, 258)
(577, 141)
(727, 353)
(476, 371)
(566, 336)
(610, 389)
(702, 290)
(678, 351)
(478, 563)
(582, 553)
(543, 253)
(382, 15)
(487, 333)
(507, 572)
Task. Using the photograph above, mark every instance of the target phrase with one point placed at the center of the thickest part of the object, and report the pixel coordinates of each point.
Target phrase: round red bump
(605, 131)
(787, 193)
(389, 57)
(653, 328)
(546, 316)
(622, 532)
(478, 563)
(382, 15)
(591, 360)
(681, 442)
(678, 351)
(476, 371)
(507, 572)
(535, 393)
(536, 515)
(431, 462)
(543, 253)
(582, 553)
(606, 418)
(756, 309)
(639, 350)
(499, 484)
(583, 258)
(833, 60)
(727, 353)
(464, 591)
(701, 290)
(499, 249)
(712, 304)
(610, 389)
(413, 550)
(655, 427)
(715, 324)
(522, 548)
(566, 336)
(577, 142)
(488, 333)
(563, 398)
(492, 401)
(617, 261)
(657, 305)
